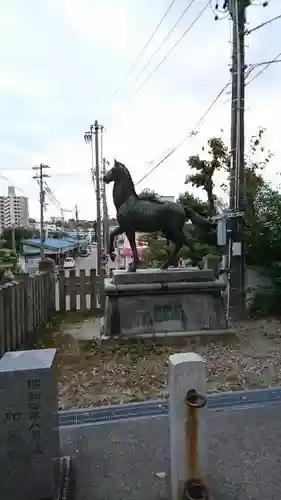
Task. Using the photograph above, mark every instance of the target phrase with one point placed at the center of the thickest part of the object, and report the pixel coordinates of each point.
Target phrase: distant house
(55, 248)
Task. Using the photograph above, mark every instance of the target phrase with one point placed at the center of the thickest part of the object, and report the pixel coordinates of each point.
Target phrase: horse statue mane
(119, 164)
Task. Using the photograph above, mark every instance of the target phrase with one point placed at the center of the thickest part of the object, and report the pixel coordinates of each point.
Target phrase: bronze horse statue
(137, 215)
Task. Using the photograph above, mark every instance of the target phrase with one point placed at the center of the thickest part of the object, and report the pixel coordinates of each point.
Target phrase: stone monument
(30, 464)
(163, 303)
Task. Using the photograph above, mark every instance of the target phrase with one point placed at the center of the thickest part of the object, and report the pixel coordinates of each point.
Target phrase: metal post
(194, 487)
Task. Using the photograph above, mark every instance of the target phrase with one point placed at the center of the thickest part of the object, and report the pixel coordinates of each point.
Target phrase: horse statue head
(117, 173)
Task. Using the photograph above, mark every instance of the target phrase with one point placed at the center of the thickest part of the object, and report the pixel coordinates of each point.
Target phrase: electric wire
(173, 150)
(172, 49)
(142, 52)
(163, 41)
(269, 63)
(248, 32)
(190, 134)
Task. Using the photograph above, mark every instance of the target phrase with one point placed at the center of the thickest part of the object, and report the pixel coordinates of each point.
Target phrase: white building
(167, 199)
(13, 210)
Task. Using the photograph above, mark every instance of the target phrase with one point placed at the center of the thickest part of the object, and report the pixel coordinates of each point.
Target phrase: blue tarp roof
(73, 240)
(55, 243)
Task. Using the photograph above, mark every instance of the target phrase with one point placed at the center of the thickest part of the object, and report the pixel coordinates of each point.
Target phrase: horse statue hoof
(132, 267)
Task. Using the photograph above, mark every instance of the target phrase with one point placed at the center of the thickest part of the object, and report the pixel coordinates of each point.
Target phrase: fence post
(26, 306)
(62, 292)
(188, 444)
(72, 280)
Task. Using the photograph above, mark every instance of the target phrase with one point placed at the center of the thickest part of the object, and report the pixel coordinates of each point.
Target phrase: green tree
(149, 195)
(21, 233)
(203, 170)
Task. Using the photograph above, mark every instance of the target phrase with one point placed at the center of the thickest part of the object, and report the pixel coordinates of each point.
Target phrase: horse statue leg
(115, 232)
(131, 235)
(179, 239)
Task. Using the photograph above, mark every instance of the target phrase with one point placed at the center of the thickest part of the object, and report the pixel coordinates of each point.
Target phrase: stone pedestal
(156, 303)
(30, 464)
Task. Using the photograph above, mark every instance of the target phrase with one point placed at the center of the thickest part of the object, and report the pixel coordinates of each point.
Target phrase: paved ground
(120, 460)
(89, 262)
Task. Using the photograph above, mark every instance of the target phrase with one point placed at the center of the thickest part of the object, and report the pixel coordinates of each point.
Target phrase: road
(89, 262)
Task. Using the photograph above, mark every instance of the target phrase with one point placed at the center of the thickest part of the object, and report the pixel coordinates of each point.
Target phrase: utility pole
(77, 220)
(88, 136)
(40, 179)
(237, 9)
(104, 204)
(62, 220)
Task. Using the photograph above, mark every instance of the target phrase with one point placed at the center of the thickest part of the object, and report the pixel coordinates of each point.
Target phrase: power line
(51, 197)
(190, 134)
(163, 41)
(142, 51)
(172, 48)
(248, 32)
(173, 150)
(264, 68)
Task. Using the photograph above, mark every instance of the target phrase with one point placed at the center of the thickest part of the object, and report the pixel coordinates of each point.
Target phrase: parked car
(69, 263)
(85, 252)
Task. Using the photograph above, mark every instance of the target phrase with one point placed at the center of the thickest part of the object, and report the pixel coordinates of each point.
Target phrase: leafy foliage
(149, 195)
(21, 233)
(205, 169)
(262, 207)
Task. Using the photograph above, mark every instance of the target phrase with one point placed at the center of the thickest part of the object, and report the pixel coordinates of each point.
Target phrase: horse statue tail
(197, 219)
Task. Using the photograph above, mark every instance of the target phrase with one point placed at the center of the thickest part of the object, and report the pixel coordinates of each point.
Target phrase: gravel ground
(89, 376)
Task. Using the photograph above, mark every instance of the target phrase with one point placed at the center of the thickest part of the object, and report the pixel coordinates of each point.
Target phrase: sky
(61, 62)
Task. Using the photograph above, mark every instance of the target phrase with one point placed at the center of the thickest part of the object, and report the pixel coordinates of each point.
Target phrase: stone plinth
(176, 275)
(29, 436)
(158, 303)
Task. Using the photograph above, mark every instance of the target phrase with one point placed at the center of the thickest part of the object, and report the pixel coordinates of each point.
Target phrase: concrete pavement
(121, 460)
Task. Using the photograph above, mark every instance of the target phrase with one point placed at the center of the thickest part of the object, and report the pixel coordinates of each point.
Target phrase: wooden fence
(32, 302)
(25, 305)
(80, 292)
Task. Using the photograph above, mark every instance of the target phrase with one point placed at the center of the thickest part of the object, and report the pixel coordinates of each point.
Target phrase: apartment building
(13, 210)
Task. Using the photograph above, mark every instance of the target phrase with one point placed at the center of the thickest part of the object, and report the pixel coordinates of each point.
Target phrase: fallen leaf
(160, 475)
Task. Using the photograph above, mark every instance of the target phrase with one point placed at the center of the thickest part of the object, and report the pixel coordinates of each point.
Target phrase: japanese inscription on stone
(29, 438)
(34, 416)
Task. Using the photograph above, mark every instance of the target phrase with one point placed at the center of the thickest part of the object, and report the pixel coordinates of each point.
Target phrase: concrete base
(144, 305)
(162, 338)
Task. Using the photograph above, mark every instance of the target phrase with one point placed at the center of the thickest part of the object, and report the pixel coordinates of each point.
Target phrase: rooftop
(52, 243)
